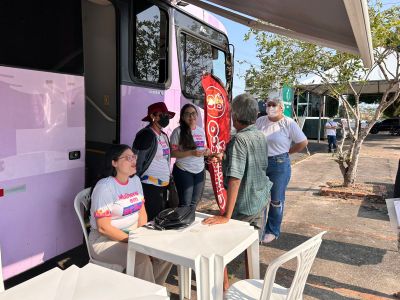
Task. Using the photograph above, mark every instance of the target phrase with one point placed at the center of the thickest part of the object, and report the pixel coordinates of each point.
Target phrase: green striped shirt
(246, 159)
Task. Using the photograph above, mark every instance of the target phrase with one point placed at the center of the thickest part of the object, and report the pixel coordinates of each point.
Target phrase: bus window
(198, 56)
(150, 43)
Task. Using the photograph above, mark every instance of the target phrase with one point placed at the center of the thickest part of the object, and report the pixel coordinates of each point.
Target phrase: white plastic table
(393, 206)
(89, 282)
(205, 249)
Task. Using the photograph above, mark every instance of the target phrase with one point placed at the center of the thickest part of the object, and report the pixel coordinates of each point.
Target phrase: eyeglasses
(271, 104)
(129, 158)
(190, 114)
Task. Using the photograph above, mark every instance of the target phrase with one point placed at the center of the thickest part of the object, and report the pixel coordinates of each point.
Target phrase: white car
(364, 124)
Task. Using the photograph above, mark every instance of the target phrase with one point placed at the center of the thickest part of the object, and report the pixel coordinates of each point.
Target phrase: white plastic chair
(267, 288)
(1, 276)
(82, 204)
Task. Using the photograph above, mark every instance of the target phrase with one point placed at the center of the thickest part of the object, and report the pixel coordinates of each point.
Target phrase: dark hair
(113, 153)
(186, 139)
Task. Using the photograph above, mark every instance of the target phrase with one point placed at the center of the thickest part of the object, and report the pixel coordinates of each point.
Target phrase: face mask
(164, 121)
(272, 111)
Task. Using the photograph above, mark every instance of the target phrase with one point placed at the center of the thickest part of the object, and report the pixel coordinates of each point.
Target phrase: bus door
(201, 48)
(42, 130)
(101, 81)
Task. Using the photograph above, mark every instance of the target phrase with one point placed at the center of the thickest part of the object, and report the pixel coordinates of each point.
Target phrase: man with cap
(153, 158)
(283, 137)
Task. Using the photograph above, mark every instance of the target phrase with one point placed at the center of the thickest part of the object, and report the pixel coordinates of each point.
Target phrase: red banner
(218, 128)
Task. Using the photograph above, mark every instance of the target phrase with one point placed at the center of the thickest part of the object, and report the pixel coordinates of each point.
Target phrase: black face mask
(164, 121)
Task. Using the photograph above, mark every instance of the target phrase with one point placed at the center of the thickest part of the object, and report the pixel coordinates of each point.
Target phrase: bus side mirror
(214, 53)
(229, 73)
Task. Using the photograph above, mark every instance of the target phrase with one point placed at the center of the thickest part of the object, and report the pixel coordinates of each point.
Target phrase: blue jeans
(331, 142)
(279, 172)
(189, 186)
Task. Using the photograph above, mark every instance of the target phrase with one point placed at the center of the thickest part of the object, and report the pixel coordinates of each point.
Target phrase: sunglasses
(129, 158)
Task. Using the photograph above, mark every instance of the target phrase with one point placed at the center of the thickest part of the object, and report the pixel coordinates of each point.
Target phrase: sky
(247, 51)
(244, 51)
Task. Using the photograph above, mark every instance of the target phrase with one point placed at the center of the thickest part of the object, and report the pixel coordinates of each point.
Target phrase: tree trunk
(350, 177)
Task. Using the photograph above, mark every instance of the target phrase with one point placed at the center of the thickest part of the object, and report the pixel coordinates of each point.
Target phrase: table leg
(218, 290)
(130, 262)
(185, 282)
(204, 268)
(253, 260)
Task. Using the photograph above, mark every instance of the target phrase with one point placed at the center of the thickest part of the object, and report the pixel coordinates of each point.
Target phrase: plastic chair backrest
(1, 276)
(305, 254)
(82, 204)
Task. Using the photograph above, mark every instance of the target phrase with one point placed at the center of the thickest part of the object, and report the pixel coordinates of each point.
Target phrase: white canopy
(338, 24)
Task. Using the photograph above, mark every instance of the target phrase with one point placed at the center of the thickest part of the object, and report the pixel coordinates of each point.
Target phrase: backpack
(175, 218)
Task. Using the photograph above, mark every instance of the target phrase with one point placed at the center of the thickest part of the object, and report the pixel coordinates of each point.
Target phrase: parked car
(385, 125)
(395, 130)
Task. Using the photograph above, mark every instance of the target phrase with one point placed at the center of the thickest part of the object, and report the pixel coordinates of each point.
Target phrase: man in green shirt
(245, 169)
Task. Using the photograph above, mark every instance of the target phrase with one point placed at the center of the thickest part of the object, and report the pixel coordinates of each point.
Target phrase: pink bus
(76, 77)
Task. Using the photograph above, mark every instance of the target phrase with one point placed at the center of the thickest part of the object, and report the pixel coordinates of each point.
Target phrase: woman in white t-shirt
(188, 145)
(117, 206)
(153, 162)
(283, 137)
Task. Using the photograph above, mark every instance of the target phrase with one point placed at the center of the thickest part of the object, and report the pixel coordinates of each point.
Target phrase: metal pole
(319, 120)
(308, 102)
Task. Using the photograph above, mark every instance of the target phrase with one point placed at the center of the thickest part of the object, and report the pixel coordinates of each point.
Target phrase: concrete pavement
(358, 258)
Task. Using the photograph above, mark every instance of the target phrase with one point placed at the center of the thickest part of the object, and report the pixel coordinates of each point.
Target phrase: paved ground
(358, 258)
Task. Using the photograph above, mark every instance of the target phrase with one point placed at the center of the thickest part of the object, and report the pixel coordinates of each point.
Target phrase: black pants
(189, 186)
(155, 199)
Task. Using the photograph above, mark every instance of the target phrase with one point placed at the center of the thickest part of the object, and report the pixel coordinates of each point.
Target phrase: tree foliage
(284, 61)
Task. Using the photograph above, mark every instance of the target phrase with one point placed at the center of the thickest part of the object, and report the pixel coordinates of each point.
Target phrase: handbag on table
(175, 218)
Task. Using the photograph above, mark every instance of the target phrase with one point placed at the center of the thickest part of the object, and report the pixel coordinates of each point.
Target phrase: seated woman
(118, 206)
(188, 143)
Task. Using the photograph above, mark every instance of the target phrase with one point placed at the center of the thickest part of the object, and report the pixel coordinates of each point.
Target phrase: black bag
(173, 198)
(174, 218)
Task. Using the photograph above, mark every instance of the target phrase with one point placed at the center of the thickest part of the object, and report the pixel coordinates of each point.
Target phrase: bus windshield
(200, 49)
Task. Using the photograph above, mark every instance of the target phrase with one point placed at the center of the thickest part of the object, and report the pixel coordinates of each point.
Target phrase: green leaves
(284, 60)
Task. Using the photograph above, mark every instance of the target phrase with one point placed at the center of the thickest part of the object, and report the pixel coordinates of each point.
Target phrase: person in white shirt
(283, 137)
(153, 158)
(189, 146)
(117, 206)
(330, 128)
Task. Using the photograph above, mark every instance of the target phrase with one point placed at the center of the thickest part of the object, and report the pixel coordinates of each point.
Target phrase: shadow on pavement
(346, 253)
(298, 189)
(394, 148)
(321, 287)
(368, 212)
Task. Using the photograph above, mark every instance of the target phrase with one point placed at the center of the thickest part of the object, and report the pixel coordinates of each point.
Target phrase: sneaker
(269, 237)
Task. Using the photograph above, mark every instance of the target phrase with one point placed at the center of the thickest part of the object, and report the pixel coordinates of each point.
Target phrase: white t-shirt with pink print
(120, 201)
(192, 164)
